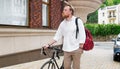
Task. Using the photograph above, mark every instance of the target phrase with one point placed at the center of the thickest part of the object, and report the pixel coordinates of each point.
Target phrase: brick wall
(55, 13)
(35, 14)
(35, 18)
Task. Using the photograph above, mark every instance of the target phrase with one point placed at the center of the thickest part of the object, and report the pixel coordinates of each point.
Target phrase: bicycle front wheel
(48, 65)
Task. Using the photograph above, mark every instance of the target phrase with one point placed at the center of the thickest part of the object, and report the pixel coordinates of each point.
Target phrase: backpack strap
(77, 28)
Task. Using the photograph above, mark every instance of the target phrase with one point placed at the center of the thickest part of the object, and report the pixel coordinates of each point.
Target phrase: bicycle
(52, 64)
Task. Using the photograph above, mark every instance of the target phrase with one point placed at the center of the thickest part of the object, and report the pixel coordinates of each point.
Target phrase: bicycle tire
(48, 65)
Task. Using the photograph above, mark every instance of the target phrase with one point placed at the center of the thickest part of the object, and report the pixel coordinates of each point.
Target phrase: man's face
(66, 12)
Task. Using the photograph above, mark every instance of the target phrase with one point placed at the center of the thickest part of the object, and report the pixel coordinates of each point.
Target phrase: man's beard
(65, 16)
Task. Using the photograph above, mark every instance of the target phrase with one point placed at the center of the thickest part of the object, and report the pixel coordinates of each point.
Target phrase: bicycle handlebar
(56, 51)
(54, 48)
(43, 51)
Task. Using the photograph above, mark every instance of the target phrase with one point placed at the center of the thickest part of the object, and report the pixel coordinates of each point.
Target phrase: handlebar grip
(43, 51)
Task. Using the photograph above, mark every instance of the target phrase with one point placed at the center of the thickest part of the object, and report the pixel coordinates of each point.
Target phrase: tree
(93, 17)
(109, 2)
(116, 2)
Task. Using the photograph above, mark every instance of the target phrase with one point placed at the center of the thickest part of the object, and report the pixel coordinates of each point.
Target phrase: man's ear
(71, 11)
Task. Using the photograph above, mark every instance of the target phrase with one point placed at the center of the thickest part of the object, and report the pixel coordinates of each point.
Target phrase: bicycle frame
(53, 59)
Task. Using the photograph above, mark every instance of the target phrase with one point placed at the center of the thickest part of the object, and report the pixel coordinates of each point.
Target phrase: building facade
(30, 13)
(109, 15)
(26, 25)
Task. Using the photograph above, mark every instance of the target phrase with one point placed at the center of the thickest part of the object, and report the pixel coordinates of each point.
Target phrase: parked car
(116, 48)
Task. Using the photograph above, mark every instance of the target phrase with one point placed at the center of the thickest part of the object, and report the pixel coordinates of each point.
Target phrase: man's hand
(49, 44)
(81, 45)
(46, 46)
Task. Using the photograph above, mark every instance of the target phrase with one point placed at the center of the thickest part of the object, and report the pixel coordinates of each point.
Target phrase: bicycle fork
(56, 63)
(61, 67)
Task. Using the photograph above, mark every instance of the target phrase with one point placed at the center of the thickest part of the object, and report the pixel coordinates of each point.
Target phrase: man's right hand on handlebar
(49, 44)
(46, 46)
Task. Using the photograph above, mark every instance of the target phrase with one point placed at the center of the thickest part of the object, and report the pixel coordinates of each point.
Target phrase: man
(72, 47)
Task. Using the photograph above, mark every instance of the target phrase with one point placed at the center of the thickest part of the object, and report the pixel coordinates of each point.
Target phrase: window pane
(44, 15)
(14, 12)
(45, 0)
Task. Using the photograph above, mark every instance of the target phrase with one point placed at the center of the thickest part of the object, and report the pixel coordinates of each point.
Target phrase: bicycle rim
(48, 65)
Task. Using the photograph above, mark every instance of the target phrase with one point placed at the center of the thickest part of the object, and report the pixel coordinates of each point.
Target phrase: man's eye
(65, 10)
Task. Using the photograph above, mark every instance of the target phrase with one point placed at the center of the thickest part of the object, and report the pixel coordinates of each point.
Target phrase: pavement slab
(101, 57)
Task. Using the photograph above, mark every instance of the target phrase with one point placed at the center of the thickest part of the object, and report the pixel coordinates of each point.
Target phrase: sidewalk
(101, 57)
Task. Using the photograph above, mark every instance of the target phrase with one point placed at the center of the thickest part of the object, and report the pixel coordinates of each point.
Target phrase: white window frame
(45, 13)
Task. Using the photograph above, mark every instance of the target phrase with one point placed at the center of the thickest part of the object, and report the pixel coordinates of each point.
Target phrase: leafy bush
(103, 29)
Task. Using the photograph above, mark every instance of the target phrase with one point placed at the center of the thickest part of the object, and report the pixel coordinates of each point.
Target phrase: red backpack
(89, 44)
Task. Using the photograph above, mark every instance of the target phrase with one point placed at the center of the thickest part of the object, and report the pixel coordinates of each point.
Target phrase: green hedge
(103, 29)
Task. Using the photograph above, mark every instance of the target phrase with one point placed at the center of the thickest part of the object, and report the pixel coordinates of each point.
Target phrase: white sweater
(67, 30)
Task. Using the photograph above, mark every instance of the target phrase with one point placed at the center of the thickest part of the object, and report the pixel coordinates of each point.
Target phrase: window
(45, 13)
(45, 1)
(103, 22)
(14, 12)
(103, 14)
(110, 14)
(114, 14)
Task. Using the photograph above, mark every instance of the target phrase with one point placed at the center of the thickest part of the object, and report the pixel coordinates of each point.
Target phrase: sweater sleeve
(82, 35)
(58, 34)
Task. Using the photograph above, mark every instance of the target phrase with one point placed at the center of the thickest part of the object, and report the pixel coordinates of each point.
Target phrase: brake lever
(43, 51)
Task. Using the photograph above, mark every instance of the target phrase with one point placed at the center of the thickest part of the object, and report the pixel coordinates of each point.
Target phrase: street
(101, 57)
